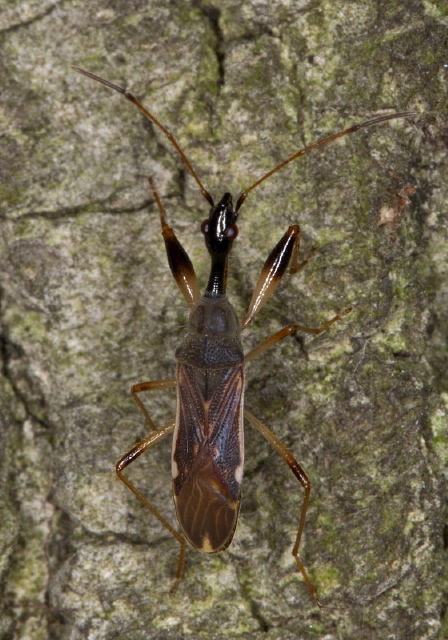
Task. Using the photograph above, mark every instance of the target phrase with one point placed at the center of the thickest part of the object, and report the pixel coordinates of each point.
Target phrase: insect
(208, 441)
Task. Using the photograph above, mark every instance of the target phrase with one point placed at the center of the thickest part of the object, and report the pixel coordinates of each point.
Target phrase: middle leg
(289, 330)
(151, 385)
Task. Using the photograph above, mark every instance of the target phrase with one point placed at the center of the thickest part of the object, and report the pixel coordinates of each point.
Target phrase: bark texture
(88, 308)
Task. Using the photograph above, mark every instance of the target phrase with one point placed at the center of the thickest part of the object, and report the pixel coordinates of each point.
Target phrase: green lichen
(439, 427)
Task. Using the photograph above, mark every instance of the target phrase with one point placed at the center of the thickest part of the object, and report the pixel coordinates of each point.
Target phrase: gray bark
(88, 308)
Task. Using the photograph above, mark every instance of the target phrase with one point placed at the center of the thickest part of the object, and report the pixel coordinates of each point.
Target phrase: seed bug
(208, 442)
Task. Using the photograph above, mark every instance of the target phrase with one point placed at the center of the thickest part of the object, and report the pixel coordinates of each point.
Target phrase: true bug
(208, 442)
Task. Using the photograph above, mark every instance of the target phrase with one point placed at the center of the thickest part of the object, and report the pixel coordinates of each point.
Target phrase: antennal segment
(363, 125)
(149, 115)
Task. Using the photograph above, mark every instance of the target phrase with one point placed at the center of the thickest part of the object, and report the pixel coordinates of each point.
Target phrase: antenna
(363, 125)
(149, 115)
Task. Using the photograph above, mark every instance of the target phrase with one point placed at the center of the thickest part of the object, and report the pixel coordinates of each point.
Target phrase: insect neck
(217, 281)
(220, 231)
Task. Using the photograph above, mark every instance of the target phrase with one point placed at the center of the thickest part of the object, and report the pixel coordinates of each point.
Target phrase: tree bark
(89, 307)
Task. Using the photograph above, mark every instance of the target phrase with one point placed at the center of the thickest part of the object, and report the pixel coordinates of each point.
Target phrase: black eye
(232, 232)
(204, 227)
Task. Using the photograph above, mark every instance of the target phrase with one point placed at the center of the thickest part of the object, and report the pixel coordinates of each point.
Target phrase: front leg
(285, 252)
(178, 259)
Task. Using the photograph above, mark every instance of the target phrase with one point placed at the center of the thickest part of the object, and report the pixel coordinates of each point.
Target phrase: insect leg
(289, 330)
(150, 386)
(151, 440)
(178, 259)
(304, 481)
(285, 252)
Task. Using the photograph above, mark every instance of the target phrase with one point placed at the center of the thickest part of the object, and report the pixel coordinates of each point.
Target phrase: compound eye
(232, 232)
(204, 227)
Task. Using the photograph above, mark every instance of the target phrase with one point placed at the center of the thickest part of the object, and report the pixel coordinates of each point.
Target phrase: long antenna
(369, 123)
(149, 115)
